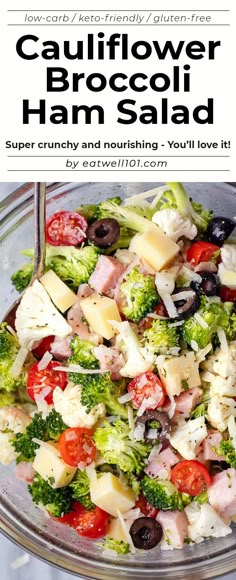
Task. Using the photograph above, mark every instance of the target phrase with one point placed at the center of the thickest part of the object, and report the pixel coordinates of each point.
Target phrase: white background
(27, 79)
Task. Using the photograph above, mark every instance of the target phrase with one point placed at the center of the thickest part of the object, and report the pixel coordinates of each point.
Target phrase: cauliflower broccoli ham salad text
(118, 388)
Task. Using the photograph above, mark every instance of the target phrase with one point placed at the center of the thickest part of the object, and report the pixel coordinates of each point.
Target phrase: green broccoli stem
(184, 204)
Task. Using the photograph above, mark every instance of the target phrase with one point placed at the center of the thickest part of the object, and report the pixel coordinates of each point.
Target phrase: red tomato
(202, 252)
(146, 508)
(43, 346)
(76, 446)
(48, 377)
(91, 524)
(227, 294)
(144, 386)
(190, 476)
(65, 228)
(160, 309)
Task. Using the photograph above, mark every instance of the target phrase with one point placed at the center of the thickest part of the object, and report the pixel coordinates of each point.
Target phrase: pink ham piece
(222, 493)
(110, 360)
(24, 471)
(106, 275)
(212, 440)
(60, 348)
(161, 465)
(175, 529)
(186, 402)
(75, 317)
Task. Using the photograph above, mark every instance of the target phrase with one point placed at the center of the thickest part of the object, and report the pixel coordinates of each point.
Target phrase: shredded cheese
(126, 532)
(194, 345)
(222, 338)
(126, 398)
(19, 362)
(79, 369)
(169, 304)
(201, 320)
(131, 418)
(44, 362)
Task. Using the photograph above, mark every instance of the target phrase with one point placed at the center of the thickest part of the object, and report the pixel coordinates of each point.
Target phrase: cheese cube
(155, 247)
(50, 465)
(227, 277)
(98, 310)
(59, 292)
(178, 373)
(110, 495)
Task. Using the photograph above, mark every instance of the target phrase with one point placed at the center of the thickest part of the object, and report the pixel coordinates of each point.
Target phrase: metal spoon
(39, 246)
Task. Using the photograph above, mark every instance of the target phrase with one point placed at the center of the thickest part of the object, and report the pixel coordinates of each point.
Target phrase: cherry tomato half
(48, 377)
(190, 476)
(43, 346)
(76, 446)
(91, 524)
(146, 508)
(66, 228)
(227, 294)
(144, 386)
(203, 252)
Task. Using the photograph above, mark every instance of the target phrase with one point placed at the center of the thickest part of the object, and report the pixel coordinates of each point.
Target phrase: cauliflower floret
(219, 411)
(205, 522)
(223, 387)
(7, 453)
(37, 317)
(174, 224)
(187, 436)
(138, 359)
(14, 419)
(228, 256)
(68, 404)
(222, 362)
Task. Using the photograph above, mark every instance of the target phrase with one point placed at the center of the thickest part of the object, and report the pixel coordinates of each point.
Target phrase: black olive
(164, 429)
(186, 307)
(219, 230)
(103, 233)
(146, 533)
(209, 284)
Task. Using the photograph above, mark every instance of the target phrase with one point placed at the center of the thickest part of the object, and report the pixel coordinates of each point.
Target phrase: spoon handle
(39, 229)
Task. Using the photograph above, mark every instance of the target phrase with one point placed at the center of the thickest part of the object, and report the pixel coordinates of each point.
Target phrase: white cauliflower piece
(228, 256)
(205, 522)
(7, 453)
(174, 224)
(222, 362)
(68, 404)
(219, 411)
(37, 317)
(138, 360)
(187, 436)
(14, 419)
(223, 387)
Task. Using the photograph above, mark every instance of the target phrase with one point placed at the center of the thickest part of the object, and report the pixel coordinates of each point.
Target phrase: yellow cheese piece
(110, 495)
(116, 531)
(179, 373)
(155, 247)
(97, 311)
(49, 464)
(59, 292)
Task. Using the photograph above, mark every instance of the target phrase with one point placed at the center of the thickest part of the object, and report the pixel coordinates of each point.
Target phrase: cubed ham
(75, 317)
(161, 465)
(212, 441)
(60, 348)
(24, 471)
(186, 402)
(175, 529)
(110, 360)
(222, 493)
(106, 275)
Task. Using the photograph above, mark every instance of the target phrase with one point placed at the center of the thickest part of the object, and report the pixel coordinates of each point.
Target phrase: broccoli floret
(206, 214)
(140, 295)
(80, 489)
(161, 337)
(43, 429)
(163, 495)
(215, 314)
(22, 277)
(91, 212)
(132, 482)
(123, 241)
(9, 348)
(199, 411)
(82, 354)
(72, 265)
(131, 218)
(226, 448)
(201, 498)
(56, 501)
(6, 399)
(115, 446)
(117, 545)
(201, 217)
(100, 389)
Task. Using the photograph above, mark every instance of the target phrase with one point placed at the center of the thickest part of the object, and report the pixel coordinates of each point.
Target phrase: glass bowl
(20, 520)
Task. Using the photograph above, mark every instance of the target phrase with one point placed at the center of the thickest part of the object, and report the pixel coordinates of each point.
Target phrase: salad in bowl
(118, 380)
